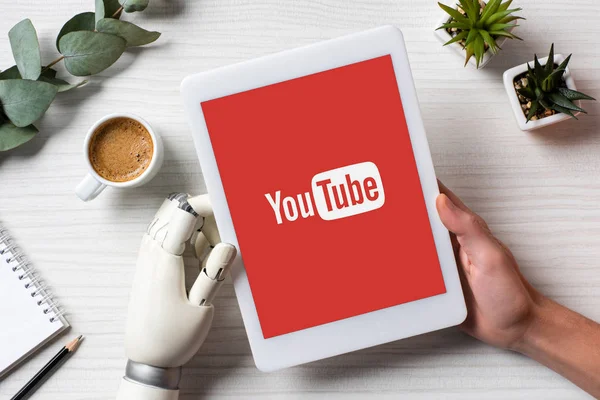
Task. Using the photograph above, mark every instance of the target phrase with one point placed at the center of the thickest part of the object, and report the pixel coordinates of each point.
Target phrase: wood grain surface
(540, 193)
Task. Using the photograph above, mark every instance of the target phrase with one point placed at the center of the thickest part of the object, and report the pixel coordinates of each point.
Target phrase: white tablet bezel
(364, 330)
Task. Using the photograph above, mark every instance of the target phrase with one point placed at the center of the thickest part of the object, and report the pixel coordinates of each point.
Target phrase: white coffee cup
(93, 184)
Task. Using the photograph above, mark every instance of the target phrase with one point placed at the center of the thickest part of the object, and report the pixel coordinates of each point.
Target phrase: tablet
(319, 172)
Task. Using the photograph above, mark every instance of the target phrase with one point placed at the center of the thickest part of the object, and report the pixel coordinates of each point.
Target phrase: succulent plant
(546, 88)
(478, 25)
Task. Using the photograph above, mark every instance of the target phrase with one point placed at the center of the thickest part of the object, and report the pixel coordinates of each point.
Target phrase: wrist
(148, 375)
(541, 315)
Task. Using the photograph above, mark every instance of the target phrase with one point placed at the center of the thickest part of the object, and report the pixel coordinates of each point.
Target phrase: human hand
(506, 311)
(501, 303)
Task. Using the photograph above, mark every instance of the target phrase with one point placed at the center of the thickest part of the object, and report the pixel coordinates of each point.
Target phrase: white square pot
(443, 36)
(509, 77)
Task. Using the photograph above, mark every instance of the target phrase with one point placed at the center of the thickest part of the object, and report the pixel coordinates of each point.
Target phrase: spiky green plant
(479, 26)
(547, 89)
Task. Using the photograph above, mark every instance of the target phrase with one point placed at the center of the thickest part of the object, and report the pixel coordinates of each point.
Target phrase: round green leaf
(133, 34)
(87, 53)
(24, 101)
(12, 136)
(81, 22)
(11, 73)
(26, 49)
(134, 5)
(106, 9)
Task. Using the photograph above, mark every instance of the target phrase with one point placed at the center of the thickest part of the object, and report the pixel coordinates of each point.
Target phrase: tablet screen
(324, 195)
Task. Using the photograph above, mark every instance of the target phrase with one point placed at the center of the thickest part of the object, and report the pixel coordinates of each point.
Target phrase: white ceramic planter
(443, 36)
(509, 77)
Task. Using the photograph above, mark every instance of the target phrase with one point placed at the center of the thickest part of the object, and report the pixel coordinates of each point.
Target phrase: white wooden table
(539, 192)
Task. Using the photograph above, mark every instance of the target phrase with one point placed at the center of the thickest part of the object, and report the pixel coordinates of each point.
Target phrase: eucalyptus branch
(53, 63)
(118, 12)
(88, 43)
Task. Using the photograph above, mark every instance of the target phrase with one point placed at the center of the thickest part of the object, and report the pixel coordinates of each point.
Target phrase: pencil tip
(73, 344)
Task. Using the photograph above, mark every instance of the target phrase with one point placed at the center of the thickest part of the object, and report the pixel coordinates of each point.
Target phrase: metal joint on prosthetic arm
(146, 382)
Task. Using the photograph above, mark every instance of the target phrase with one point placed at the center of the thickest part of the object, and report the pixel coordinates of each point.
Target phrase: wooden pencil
(48, 369)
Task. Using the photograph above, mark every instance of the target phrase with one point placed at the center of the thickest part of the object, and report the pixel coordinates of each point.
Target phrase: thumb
(471, 231)
(454, 219)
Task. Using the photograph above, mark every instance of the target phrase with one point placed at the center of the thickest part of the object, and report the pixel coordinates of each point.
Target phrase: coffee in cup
(121, 149)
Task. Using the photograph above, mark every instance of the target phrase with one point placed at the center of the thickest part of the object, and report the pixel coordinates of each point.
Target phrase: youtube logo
(337, 193)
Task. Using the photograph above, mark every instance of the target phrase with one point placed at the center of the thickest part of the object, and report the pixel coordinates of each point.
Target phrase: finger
(158, 271)
(455, 245)
(457, 201)
(173, 225)
(453, 217)
(199, 243)
(163, 214)
(211, 231)
(454, 198)
(179, 230)
(213, 274)
(201, 204)
(465, 263)
(158, 227)
(471, 232)
(464, 269)
(468, 294)
(453, 238)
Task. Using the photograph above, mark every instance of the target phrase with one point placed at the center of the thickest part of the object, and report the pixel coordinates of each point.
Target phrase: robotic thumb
(211, 277)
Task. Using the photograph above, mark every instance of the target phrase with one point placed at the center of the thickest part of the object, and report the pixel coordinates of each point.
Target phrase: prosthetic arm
(166, 326)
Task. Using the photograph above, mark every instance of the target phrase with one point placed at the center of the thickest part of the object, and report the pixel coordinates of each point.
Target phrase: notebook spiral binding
(20, 265)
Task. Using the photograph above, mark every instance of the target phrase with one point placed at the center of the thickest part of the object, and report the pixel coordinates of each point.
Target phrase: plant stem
(53, 63)
(117, 12)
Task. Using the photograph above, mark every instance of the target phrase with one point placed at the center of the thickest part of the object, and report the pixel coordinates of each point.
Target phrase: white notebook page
(25, 325)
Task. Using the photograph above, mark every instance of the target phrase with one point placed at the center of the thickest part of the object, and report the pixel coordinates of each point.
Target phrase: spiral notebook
(29, 316)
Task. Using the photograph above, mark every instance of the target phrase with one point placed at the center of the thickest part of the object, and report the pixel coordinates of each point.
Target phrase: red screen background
(310, 272)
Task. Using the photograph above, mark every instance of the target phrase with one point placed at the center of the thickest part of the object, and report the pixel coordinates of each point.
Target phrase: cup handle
(89, 188)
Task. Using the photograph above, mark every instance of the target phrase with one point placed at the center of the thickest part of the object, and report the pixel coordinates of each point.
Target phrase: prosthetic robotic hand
(166, 326)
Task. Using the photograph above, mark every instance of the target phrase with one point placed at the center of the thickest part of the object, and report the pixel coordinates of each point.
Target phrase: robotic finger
(174, 223)
(182, 218)
(201, 205)
(212, 275)
(200, 244)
